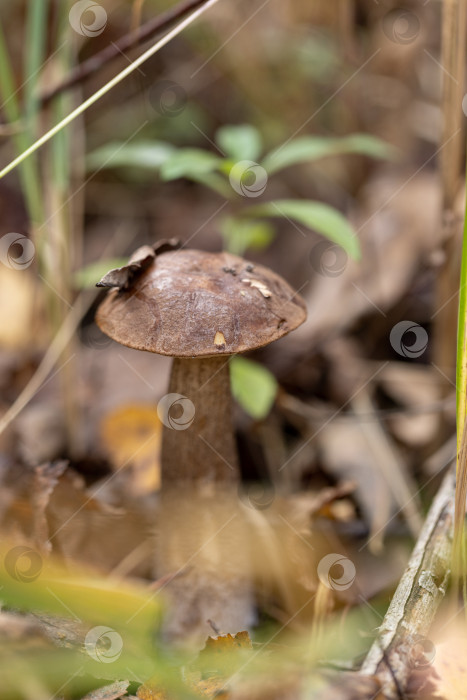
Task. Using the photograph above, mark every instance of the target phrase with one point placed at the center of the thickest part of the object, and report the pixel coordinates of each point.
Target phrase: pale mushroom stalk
(201, 536)
(202, 540)
(206, 452)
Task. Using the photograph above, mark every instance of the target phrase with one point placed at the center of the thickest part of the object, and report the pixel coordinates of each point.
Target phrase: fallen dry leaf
(210, 688)
(142, 258)
(397, 227)
(131, 436)
(16, 307)
(222, 652)
(46, 478)
(109, 692)
(147, 692)
(417, 389)
(209, 674)
(450, 664)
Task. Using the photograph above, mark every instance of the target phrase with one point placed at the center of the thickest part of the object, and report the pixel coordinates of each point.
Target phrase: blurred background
(347, 425)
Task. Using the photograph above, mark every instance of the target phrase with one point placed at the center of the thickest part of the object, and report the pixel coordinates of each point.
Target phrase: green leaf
(89, 275)
(215, 182)
(240, 142)
(367, 145)
(142, 154)
(316, 216)
(309, 148)
(242, 234)
(253, 386)
(126, 610)
(247, 178)
(189, 162)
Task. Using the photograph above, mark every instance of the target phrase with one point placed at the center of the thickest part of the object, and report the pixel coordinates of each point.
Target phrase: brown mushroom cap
(190, 303)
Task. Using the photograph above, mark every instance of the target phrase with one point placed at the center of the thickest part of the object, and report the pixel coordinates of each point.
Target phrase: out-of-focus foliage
(253, 386)
(240, 147)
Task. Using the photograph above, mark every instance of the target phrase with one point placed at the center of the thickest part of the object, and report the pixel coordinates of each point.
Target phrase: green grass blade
(461, 368)
(10, 106)
(461, 400)
(61, 146)
(36, 29)
(461, 371)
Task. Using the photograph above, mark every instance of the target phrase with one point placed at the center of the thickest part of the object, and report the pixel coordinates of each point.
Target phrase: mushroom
(199, 308)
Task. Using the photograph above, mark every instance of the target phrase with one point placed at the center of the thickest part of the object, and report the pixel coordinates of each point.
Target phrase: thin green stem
(461, 396)
(28, 174)
(36, 29)
(461, 369)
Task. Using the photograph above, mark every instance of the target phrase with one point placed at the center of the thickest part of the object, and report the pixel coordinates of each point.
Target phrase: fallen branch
(402, 636)
(94, 64)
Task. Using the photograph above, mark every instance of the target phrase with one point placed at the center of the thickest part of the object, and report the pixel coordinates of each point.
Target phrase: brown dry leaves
(208, 676)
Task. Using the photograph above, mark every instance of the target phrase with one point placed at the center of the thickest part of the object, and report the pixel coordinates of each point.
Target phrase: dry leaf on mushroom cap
(140, 260)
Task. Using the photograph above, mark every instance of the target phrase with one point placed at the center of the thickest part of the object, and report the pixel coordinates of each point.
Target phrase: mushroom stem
(204, 451)
(201, 536)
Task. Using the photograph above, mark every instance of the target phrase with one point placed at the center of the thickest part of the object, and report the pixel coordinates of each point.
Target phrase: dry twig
(392, 656)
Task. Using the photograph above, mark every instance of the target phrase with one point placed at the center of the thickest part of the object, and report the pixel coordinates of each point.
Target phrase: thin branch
(392, 656)
(94, 64)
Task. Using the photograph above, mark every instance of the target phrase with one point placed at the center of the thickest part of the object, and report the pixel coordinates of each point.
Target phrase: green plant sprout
(242, 172)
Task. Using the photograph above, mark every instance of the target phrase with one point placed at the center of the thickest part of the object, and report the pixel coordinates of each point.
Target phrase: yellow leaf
(146, 692)
(224, 654)
(17, 300)
(131, 437)
(226, 643)
(211, 688)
